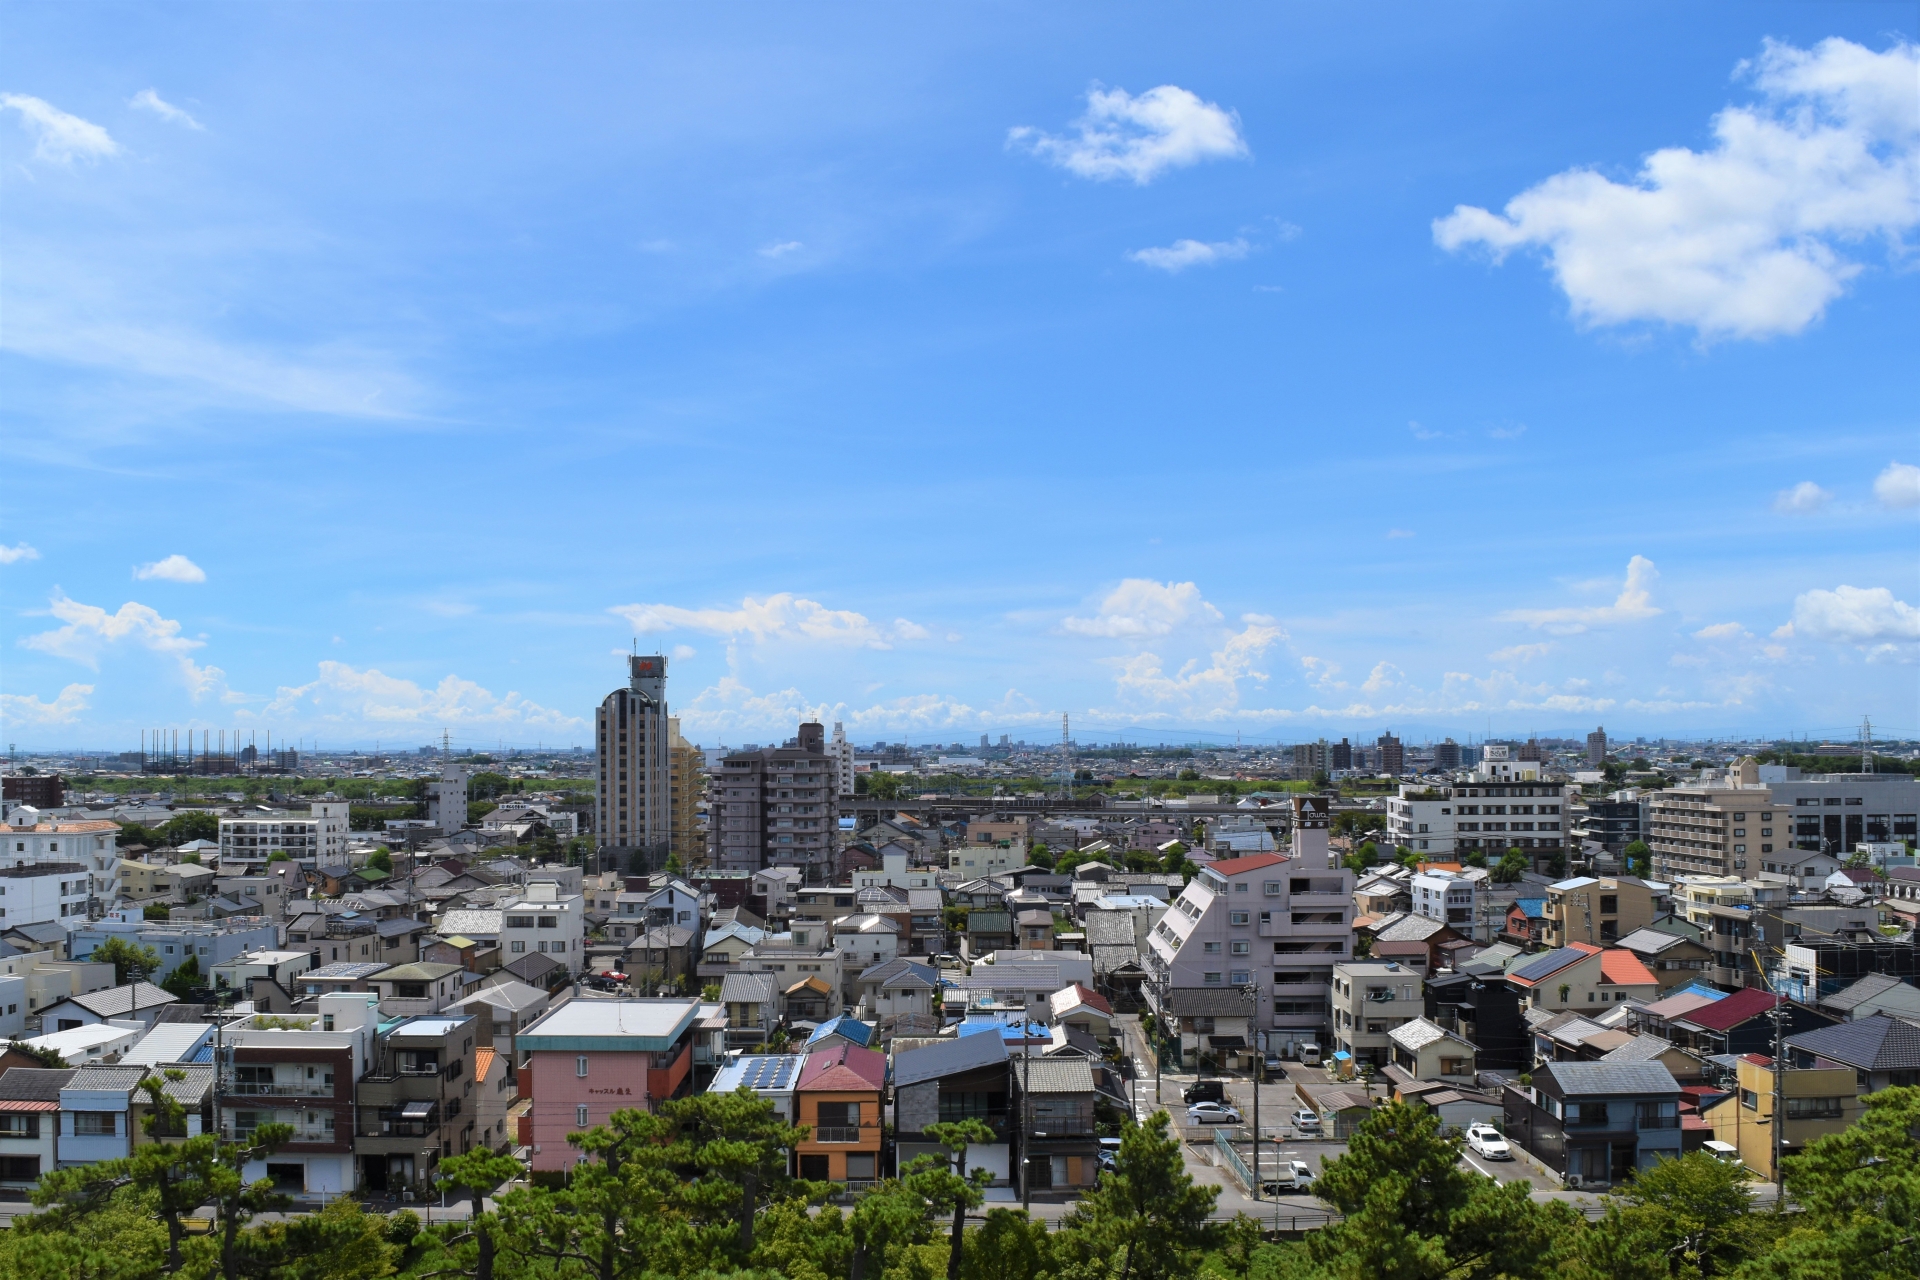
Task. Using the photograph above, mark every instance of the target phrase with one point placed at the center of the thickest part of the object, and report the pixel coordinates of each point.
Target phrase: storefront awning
(416, 1110)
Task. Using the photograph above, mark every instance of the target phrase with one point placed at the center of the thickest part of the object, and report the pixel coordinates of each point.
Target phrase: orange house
(838, 1098)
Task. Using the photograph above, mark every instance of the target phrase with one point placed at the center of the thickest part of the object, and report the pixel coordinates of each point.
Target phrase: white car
(1212, 1113)
(1305, 1121)
(1487, 1142)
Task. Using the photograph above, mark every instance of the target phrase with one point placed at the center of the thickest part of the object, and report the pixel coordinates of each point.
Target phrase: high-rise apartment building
(633, 801)
(686, 784)
(777, 807)
(1597, 746)
(1341, 754)
(842, 752)
(1715, 830)
(447, 798)
(1393, 757)
(1446, 755)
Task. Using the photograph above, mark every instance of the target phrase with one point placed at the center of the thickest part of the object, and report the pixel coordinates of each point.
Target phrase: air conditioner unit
(1574, 1182)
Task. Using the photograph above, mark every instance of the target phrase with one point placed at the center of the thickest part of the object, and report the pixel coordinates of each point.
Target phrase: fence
(1238, 1166)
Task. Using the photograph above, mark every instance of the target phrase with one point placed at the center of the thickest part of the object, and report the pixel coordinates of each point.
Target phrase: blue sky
(370, 370)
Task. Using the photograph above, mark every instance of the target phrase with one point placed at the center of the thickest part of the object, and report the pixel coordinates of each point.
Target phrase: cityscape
(868, 643)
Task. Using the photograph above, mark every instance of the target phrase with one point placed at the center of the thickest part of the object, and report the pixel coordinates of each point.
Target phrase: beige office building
(1716, 830)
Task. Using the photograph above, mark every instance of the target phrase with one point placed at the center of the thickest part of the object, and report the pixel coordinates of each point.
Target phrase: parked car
(1305, 1121)
(1109, 1153)
(948, 960)
(1274, 1065)
(1485, 1140)
(1291, 1179)
(1212, 1113)
(1204, 1091)
(1310, 1054)
(1725, 1152)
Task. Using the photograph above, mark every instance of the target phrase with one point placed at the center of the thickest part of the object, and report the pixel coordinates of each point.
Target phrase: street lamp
(1251, 994)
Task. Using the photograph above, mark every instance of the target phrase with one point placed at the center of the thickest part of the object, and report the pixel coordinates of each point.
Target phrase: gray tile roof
(948, 1057)
(35, 1084)
(107, 1079)
(192, 1089)
(1110, 959)
(1109, 929)
(117, 1002)
(1418, 1034)
(1642, 1048)
(1650, 942)
(1609, 1079)
(747, 988)
(1409, 929)
(1860, 992)
(1052, 1075)
(1878, 1043)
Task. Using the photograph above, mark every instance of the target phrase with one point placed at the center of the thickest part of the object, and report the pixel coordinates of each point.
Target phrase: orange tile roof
(1252, 862)
(483, 1062)
(1624, 968)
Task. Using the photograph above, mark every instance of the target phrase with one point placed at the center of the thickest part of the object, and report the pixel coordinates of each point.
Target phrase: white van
(1722, 1151)
(1310, 1054)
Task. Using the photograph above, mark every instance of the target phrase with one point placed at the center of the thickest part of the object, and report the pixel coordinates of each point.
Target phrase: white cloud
(1898, 486)
(342, 695)
(684, 651)
(782, 249)
(90, 629)
(1741, 240)
(175, 568)
(1322, 674)
(1855, 615)
(1141, 607)
(58, 137)
(1633, 604)
(782, 616)
(1522, 652)
(1399, 533)
(1384, 676)
(1721, 631)
(17, 552)
(1211, 690)
(1803, 499)
(1181, 254)
(1122, 136)
(148, 100)
(28, 709)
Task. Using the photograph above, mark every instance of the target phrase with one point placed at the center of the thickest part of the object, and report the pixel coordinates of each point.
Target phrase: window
(549, 922)
(1241, 887)
(1271, 888)
(580, 1066)
(1749, 1099)
(1241, 977)
(519, 922)
(1210, 979)
(580, 1112)
(99, 1124)
(1241, 946)
(1813, 1108)
(1236, 917)
(517, 947)
(1656, 1115)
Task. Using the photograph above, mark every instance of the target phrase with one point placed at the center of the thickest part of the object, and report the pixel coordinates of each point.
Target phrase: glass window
(580, 1113)
(580, 1066)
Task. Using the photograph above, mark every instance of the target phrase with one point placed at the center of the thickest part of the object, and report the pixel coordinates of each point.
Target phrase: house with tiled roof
(30, 1101)
(1582, 976)
(1052, 1105)
(1884, 1051)
(1596, 1123)
(1078, 1007)
(962, 1077)
(1426, 1050)
(1741, 1023)
(838, 1097)
(1875, 993)
(1674, 959)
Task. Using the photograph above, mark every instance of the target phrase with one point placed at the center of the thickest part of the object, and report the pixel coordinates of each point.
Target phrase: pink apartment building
(587, 1059)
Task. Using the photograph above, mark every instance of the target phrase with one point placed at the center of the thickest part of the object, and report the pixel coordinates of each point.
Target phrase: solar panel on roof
(770, 1072)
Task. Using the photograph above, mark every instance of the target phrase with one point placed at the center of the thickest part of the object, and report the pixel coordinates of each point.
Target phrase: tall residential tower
(633, 794)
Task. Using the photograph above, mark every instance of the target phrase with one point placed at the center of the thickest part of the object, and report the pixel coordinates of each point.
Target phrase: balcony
(298, 1089)
(836, 1133)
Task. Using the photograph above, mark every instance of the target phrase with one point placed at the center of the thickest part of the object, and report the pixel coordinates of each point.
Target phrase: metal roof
(1609, 1079)
(1878, 1043)
(1544, 967)
(168, 1042)
(775, 1072)
(947, 1057)
(642, 1025)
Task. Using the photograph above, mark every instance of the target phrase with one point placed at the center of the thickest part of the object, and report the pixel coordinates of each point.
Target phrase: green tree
(956, 1137)
(1638, 856)
(381, 859)
(1008, 1246)
(739, 1143)
(1859, 1196)
(1473, 858)
(1412, 1213)
(1513, 864)
(1687, 1217)
(130, 960)
(1146, 1220)
(184, 978)
(341, 1242)
(186, 827)
(478, 1173)
(1038, 856)
(116, 1240)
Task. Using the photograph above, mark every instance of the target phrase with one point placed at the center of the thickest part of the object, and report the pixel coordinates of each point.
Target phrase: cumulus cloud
(1743, 239)
(1141, 607)
(342, 695)
(58, 138)
(1633, 604)
(1321, 673)
(1721, 631)
(1522, 652)
(175, 568)
(1867, 616)
(1181, 254)
(1208, 690)
(19, 551)
(782, 616)
(29, 709)
(89, 630)
(1138, 138)
(730, 706)
(1803, 499)
(1898, 486)
(149, 100)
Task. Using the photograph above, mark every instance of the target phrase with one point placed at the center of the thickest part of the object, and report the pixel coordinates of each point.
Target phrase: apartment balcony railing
(299, 1089)
(836, 1133)
(1063, 1128)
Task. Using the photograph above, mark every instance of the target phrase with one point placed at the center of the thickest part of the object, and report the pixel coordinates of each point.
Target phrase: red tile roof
(13, 1105)
(1092, 999)
(844, 1068)
(1252, 862)
(1624, 968)
(1758, 1059)
(1735, 1009)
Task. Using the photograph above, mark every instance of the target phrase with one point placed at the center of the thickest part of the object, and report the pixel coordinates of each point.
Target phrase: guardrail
(1235, 1164)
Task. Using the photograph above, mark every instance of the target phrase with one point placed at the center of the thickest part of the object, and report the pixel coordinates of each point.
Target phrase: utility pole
(1026, 1110)
(1251, 994)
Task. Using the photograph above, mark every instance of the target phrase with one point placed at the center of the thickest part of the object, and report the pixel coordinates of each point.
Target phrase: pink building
(587, 1059)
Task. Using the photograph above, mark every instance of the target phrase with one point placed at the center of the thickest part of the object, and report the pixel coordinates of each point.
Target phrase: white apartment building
(977, 860)
(318, 839)
(33, 838)
(1421, 818)
(544, 921)
(1451, 899)
(633, 800)
(447, 799)
(1369, 999)
(34, 893)
(840, 752)
(1504, 805)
